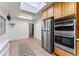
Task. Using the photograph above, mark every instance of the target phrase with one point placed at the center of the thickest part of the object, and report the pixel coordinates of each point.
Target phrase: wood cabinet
(57, 10)
(68, 8)
(77, 48)
(77, 27)
(50, 11)
(61, 52)
(44, 15)
(62, 9)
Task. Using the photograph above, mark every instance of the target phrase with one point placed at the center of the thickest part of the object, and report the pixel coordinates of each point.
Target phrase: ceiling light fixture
(25, 17)
(9, 17)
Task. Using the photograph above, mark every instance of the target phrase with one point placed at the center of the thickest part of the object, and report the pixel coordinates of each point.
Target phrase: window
(33, 7)
(34, 4)
(2, 25)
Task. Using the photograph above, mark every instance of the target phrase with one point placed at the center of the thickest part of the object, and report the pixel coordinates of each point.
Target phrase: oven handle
(64, 25)
(65, 36)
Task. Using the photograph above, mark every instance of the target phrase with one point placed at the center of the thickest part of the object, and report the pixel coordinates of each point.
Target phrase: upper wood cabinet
(62, 9)
(57, 10)
(50, 11)
(68, 8)
(44, 15)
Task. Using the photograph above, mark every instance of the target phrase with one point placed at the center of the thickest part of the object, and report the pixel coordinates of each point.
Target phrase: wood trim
(77, 20)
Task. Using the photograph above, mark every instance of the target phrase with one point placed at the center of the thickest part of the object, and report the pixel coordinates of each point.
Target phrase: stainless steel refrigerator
(48, 35)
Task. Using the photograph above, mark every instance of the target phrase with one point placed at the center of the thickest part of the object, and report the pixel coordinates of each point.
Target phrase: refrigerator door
(48, 36)
(46, 24)
(43, 25)
(48, 42)
(49, 24)
(44, 39)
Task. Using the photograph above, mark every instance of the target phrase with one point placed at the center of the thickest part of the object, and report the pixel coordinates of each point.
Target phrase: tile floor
(33, 43)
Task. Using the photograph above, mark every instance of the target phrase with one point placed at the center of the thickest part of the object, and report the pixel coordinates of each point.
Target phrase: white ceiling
(13, 8)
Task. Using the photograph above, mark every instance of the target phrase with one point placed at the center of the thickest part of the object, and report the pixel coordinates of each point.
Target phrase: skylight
(33, 7)
(34, 4)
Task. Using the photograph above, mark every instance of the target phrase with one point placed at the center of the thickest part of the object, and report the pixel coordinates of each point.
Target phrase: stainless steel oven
(67, 25)
(66, 41)
(65, 35)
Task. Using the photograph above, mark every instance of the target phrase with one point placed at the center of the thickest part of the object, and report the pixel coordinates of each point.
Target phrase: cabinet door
(68, 8)
(61, 52)
(44, 15)
(50, 11)
(57, 10)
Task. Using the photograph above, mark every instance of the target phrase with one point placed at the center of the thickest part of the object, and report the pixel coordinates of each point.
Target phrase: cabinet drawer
(61, 52)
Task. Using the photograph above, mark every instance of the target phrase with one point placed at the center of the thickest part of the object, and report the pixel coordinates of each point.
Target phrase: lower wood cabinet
(77, 48)
(61, 52)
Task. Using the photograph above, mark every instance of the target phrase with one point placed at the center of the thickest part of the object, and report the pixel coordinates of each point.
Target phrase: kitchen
(65, 17)
(54, 28)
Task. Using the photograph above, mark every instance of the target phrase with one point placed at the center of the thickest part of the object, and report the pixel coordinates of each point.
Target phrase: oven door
(58, 39)
(64, 28)
(67, 41)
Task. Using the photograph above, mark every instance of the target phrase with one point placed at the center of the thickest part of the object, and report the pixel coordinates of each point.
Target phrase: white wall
(37, 29)
(19, 31)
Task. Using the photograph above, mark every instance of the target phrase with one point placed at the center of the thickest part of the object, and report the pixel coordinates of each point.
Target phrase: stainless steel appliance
(48, 35)
(65, 35)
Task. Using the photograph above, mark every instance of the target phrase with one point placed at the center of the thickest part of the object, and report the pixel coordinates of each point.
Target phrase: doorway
(31, 30)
